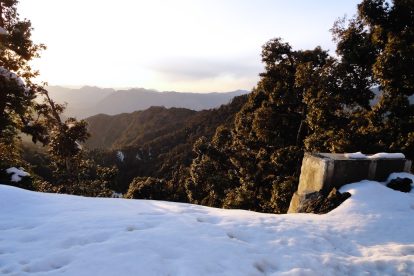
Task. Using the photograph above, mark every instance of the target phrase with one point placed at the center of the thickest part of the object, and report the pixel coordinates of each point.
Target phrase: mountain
(79, 101)
(156, 141)
(88, 101)
(128, 129)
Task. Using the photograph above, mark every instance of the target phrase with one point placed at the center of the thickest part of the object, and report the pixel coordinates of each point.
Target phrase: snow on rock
(12, 76)
(386, 155)
(16, 174)
(78, 145)
(120, 155)
(381, 155)
(3, 31)
(400, 175)
(50, 234)
(116, 195)
(355, 155)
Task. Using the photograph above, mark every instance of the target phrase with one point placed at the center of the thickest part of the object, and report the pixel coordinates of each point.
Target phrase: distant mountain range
(88, 100)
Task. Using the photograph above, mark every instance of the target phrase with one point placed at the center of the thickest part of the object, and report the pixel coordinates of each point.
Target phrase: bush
(147, 188)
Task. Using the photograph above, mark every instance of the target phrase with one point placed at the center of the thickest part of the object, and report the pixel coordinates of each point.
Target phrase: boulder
(400, 184)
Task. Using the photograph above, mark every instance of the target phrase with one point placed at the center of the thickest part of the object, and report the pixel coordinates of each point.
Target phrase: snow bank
(48, 234)
(16, 174)
(381, 155)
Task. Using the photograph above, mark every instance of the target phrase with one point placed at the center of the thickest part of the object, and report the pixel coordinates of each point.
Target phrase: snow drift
(46, 234)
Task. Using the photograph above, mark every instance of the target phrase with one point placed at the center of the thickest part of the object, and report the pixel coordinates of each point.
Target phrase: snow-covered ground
(372, 233)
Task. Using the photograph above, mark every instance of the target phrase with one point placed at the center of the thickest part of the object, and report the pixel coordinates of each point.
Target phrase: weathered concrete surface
(321, 172)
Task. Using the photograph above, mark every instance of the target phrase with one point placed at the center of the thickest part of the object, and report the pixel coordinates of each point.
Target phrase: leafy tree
(22, 111)
(147, 188)
(269, 130)
(17, 91)
(211, 173)
(378, 46)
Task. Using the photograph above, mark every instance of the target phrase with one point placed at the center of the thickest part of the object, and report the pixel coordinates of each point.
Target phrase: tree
(25, 107)
(211, 172)
(147, 188)
(379, 45)
(269, 130)
(17, 91)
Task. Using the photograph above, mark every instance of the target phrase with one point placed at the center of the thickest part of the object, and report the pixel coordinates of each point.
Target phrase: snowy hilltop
(371, 233)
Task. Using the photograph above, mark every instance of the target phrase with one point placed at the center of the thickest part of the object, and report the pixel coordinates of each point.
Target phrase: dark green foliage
(267, 144)
(162, 148)
(211, 173)
(378, 45)
(246, 154)
(310, 101)
(92, 180)
(21, 111)
(147, 188)
(17, 92)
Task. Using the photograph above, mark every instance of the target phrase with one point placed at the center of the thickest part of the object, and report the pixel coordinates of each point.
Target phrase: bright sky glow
(182, 45)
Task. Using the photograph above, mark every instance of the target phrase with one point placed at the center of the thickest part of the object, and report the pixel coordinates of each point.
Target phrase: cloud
(197, 69)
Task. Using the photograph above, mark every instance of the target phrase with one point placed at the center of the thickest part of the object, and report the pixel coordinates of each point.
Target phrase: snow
(50, 234)
(120, 155)
(3, 31)
(355, 155)
(116, 195)
(381, 155)
(16, 174)
(12, 76)
(385, 155)
(78, 145)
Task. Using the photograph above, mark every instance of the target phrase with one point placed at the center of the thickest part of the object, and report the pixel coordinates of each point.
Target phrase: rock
(318, 203)
(400, 184)
(333, 200)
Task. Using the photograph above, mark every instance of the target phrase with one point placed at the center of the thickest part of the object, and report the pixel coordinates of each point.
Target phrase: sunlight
(145, 43)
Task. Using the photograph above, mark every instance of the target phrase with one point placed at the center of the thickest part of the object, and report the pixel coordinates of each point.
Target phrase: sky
(181, 45)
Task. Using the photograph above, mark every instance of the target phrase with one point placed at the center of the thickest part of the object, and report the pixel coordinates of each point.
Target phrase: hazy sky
(182, 45)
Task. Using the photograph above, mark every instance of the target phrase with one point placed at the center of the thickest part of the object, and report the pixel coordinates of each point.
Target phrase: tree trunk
(300, 134)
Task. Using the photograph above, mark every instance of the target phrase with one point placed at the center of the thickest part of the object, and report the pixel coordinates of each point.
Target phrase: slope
(85, 236)
(155, 142)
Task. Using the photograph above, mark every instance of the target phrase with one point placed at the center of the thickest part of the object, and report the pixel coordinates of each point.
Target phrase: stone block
(321, 172)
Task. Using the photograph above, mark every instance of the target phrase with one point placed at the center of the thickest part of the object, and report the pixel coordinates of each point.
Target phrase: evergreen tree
(212, 173)
(17, 91)
(147, 188)
(377, 48)
(270, 128)
(22, 111)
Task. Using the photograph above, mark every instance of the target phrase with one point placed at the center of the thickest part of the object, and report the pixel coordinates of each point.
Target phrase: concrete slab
(321, 172)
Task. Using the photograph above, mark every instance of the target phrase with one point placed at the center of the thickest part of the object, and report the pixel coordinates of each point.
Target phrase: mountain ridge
(88, 101)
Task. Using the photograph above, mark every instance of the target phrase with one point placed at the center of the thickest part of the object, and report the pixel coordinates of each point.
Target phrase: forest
(245, 154)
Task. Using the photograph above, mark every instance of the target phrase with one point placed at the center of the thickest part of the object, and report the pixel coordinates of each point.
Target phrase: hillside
(157, 141)
(135, 128)
(85, 236)
(88, 100)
